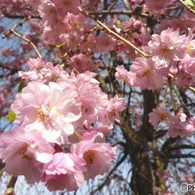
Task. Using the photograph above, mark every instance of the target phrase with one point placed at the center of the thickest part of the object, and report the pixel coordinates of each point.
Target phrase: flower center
(162, 116)
(166, 49)
(148, 71)
(190, 49)
(67, 3)
(89, 156)
(41, 116)
(111, 114)
(23, 150)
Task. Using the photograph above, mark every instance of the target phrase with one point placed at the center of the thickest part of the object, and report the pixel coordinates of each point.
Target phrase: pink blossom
(122, 73)
(76, 21)
(185, 75)
(105, 43)
(50, 36)
(64, 171)
(155, 7)
(98, 156)
(28, 150)
(65, 6)
(71, 40)
(35, 3)
(191, 48)
(7, 52)
(90, 44)
(189, 178)
(163, 115)
(115, 105)
(82, 62)
(147, 74)
(49, 13)
(35, 25)
(163, 174)
(50, 106)
(168, 46)
(42, 71)
(183, 128)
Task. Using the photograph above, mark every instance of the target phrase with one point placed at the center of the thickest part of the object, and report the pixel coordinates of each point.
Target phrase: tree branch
(10, 187)
(111, 171)
(12, 30)
(116, 35)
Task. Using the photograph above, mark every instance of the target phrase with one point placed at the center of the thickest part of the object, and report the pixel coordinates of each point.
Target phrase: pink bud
(133, 2)
(137, 25)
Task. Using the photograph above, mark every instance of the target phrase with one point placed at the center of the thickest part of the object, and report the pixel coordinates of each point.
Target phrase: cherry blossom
(97, 156)
(28, 149)
(162, 115)
(64, 171)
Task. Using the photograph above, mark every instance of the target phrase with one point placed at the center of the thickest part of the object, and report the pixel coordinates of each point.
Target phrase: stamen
(89, 156)
(111, 114)
(41, 116)
(67, 3)
(148, 71)
(162, 116)
(190, 49)
(23, 150)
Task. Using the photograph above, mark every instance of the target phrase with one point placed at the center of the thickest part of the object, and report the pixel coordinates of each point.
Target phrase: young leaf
(190, 5)
(57, 46)
(21, 86)
(11, 116)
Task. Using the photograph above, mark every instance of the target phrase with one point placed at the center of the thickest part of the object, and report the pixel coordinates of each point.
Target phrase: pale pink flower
(71, 40)
(82, 62)
(7, 52)
(50, 36)
(122, 73)
(186, 128)
(105, 43)
(42, 71)
(168, 46)
(162, 115)
(64, 171)
(163, 174)
(35, 25)
(50, 106)
(191, 48)
(35, 3)
(90, 44)
(147, 74)
(175, 23)
(98, 156)
(67, 6)
(155, 7)
(76, 21)
(49, 13)
(185, 75)
(28, 150)
(115, 105)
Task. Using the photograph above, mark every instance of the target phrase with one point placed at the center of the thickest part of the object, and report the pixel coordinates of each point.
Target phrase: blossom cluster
(62, 122)
(183, 124)
(172, 59)
(171, 54)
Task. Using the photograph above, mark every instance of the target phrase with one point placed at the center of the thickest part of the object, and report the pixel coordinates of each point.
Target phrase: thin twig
(12, 30)
(191, 88)
(111, 171)
(10, 187)
(116, 35)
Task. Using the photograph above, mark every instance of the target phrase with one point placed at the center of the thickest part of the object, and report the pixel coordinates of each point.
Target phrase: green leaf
(11, 116)
(189, 3)
(21, 86)
(57, 46)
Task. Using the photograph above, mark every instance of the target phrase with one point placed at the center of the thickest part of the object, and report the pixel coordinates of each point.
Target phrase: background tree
(100, 36)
